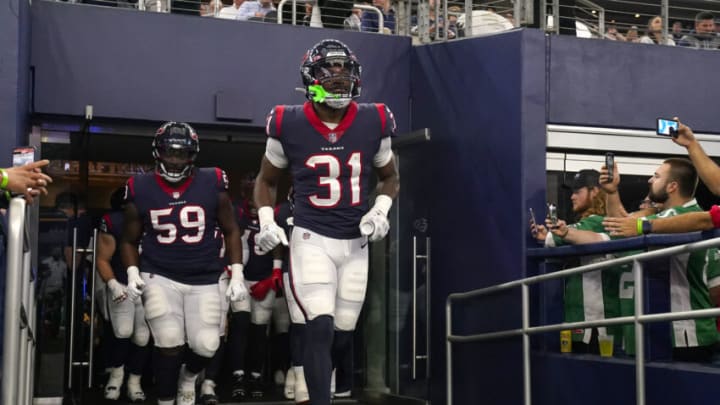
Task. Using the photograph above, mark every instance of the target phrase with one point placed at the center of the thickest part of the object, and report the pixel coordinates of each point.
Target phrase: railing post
(468, 18)
(665, 16)
(639, 336)
(13, 297)
(448, 350)
(527, 393)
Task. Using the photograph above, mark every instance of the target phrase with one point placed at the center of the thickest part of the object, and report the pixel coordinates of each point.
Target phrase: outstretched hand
(685, 135)
(28, 179)
(624, 227)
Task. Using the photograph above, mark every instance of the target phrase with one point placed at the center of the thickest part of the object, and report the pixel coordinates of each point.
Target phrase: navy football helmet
(175, 148)
(331, 74)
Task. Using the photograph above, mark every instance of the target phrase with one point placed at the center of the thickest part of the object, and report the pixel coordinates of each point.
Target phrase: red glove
(277, 280)
(260, 289)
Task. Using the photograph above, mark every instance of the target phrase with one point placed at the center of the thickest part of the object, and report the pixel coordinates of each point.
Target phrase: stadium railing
(690, 242)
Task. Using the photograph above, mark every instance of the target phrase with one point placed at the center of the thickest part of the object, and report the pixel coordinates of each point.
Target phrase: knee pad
(206, 342)
(210, 309)
(141, 336)
(261, 311)
(122, 327)
(346, 318)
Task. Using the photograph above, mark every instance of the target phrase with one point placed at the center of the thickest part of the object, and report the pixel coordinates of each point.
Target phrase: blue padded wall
(484, 100)
(14, 76)
(612, 84)
(136, 65)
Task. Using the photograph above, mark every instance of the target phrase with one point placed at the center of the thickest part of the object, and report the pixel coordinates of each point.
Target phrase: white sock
(168, 402)
(187, 380)
(298, 370)
(208, 387)
(255, 375)
(238, 373)
(134, 379)
(116, 376)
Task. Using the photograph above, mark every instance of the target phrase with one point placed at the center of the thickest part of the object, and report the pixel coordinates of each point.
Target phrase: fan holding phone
(708, 170)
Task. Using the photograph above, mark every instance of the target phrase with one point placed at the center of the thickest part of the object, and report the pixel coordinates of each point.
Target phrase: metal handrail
(281, 6)
(14, 303)
(526, 330)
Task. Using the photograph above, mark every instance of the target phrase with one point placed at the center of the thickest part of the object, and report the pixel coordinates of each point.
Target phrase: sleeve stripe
(218, 174)
(131, 186)
(279, 111)
(383, 120)
(108, 222)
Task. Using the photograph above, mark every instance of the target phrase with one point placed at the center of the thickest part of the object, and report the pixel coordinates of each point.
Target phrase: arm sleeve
(384, 153)
(275, 154)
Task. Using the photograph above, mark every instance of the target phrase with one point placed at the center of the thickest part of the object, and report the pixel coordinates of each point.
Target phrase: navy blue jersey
(258, 267)
(178, 239)
(331, 168)
(112, 224)
(284, 218)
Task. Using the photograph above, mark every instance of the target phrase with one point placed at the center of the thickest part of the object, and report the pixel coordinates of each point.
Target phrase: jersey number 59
(191, 218)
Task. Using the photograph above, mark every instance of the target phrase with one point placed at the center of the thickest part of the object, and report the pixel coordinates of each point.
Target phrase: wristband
(383, 203)
(639, 226)
(277, 264)
(715, 215)
(266, 215)
(5, 179)
(644, 226)
(236, 270)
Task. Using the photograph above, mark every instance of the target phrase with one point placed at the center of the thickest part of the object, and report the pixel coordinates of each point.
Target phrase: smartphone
(23, 155)
(552, 214)
(610, 165)
(533, 223)
(667, 127)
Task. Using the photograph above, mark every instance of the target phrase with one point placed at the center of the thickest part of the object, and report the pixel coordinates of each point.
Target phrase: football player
(329, 145)
(173, 213)
(126, 317)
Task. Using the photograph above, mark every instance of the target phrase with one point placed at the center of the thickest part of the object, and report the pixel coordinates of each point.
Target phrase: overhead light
(594, 12)
(637, 15)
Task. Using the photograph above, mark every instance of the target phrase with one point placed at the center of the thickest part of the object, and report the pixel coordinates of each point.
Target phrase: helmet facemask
(175, 148)
(336, 78)
(331, 74)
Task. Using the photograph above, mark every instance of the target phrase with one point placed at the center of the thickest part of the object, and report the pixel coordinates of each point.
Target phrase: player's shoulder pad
(274, 121)
(215, 175)
(388, 126)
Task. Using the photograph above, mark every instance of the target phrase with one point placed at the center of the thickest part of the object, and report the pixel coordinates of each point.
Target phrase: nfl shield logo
(306, 235)
(176, 195)
(332, 137)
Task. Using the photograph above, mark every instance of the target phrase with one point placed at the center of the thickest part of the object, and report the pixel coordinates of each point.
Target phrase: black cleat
(239, 390)
(255, 386)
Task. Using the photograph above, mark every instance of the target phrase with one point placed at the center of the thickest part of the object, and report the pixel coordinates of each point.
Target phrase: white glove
(375, 224)
(118, 290)
(237, 291)
(135, 283)
(270, 234)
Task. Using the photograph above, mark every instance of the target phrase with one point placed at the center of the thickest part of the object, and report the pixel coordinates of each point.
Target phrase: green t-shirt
(593, 295)
(689, 273)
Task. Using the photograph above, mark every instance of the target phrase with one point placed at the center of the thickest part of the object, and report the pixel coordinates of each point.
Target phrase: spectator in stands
(354, 21)
(231, 12)
(254, 8)
(703, 36)
(334, 12)
(655, 33)
(209, 8)
(370, 18)
(613, 34)
(454, 31)
(632, 34)
(593, 295)
(673, 185)
(677, 31)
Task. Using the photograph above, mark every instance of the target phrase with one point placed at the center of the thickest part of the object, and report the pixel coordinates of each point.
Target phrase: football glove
(135, 283)
(375, 224)
(237, 291)
(118, 291)
(270, 234)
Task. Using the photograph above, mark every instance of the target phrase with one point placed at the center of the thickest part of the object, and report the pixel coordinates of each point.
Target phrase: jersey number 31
(332, 182)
